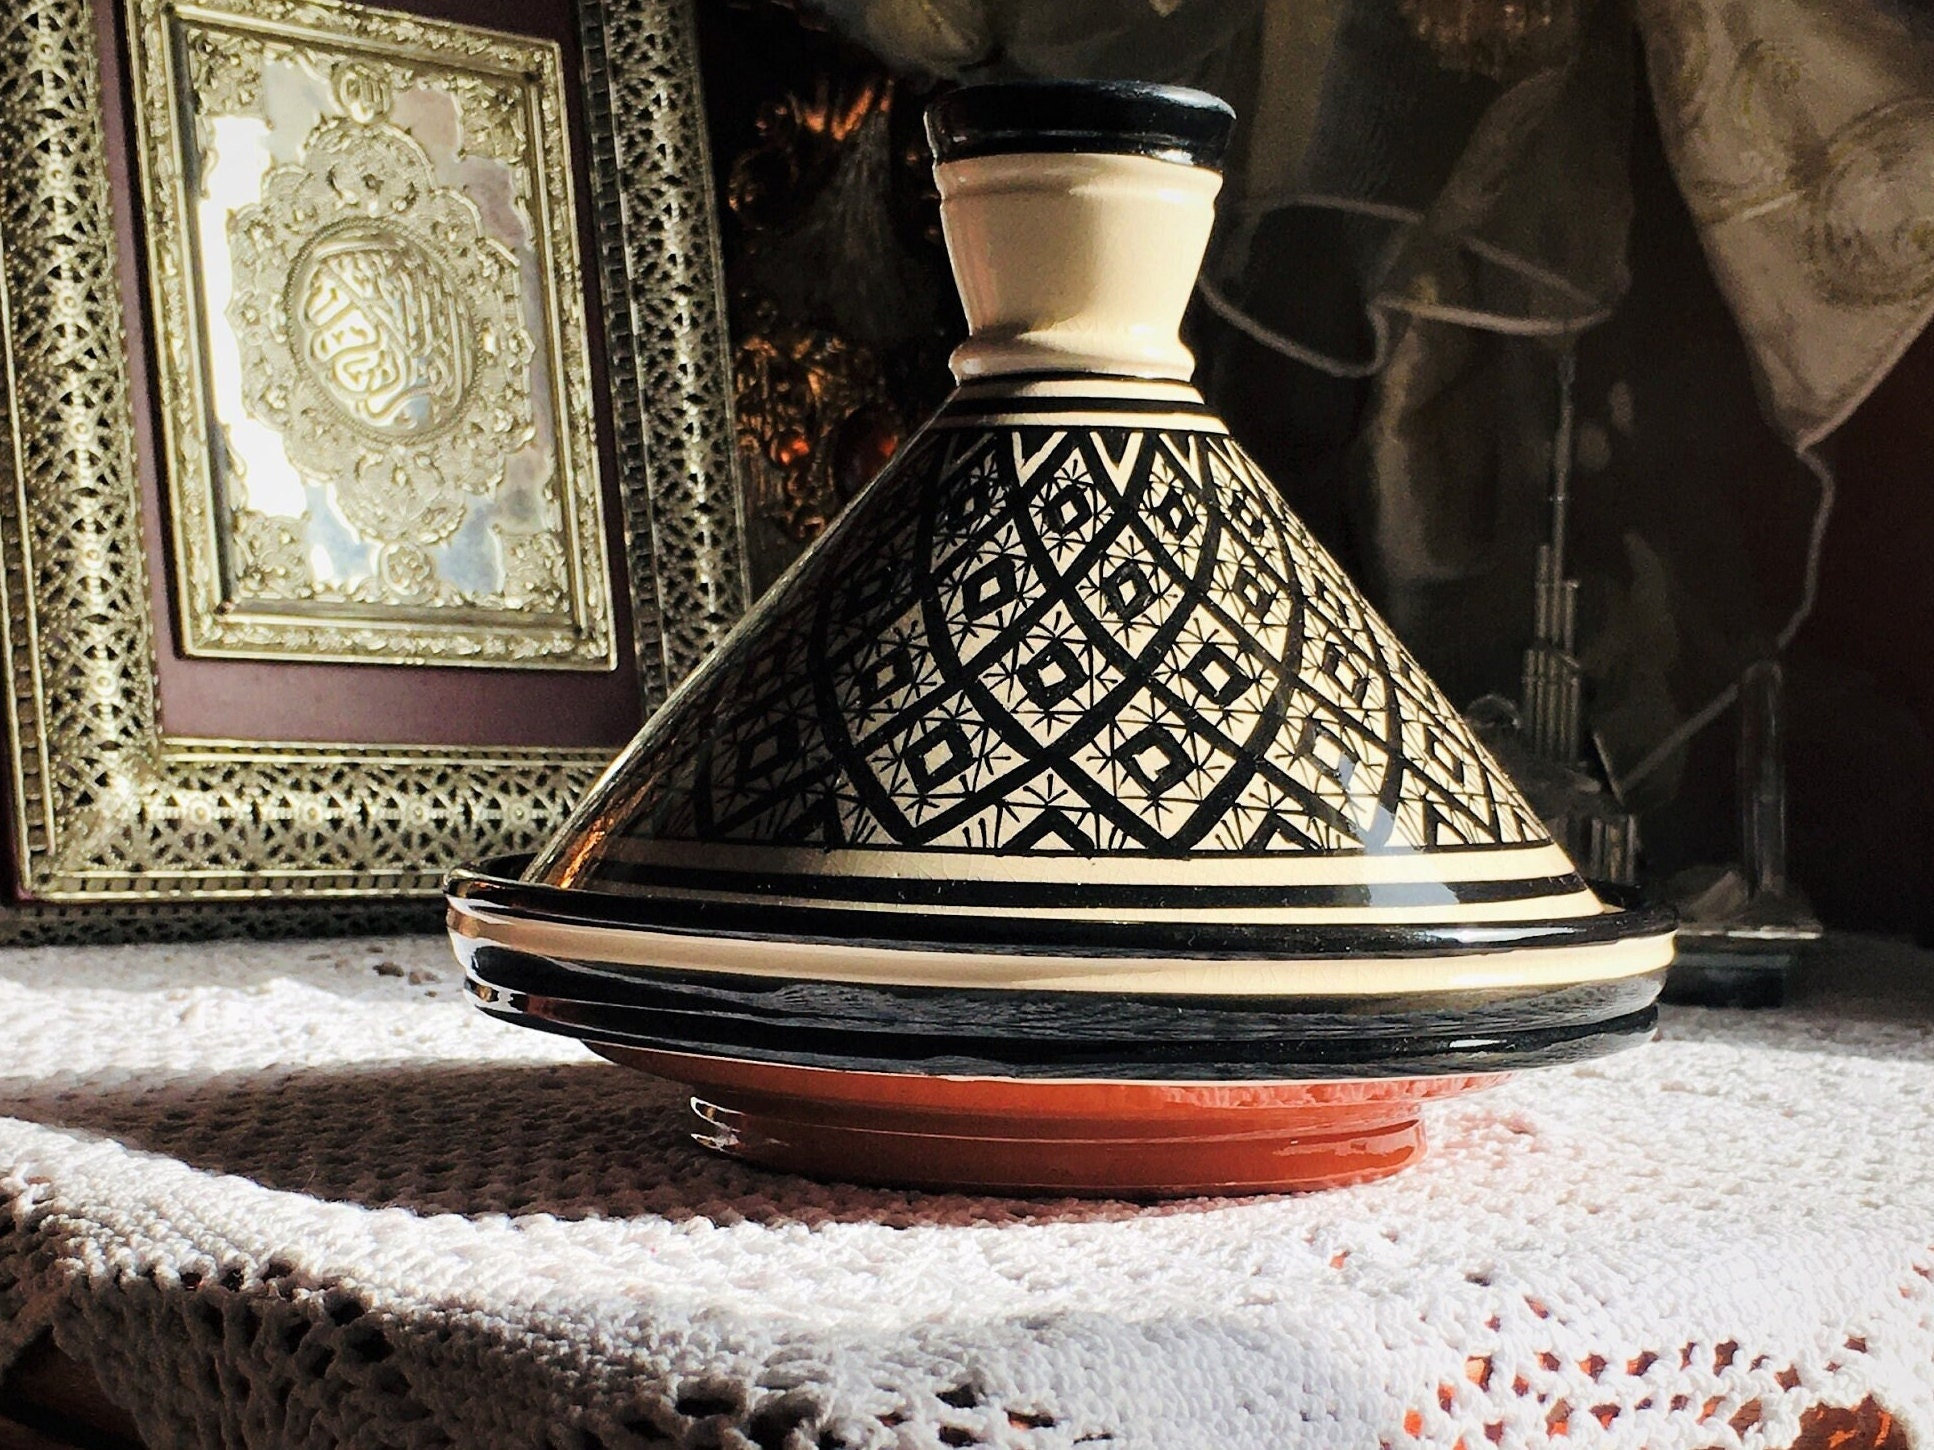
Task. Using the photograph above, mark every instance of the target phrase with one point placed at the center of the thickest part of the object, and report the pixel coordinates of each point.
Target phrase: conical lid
(1069, 697)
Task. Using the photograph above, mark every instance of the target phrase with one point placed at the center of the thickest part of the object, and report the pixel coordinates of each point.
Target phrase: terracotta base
(1093, 1139)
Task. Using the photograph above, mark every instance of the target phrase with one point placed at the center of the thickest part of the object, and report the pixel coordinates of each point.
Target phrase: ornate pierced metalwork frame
(105, 807)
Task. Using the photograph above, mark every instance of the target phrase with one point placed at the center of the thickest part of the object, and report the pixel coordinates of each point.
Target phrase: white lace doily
(295, 1194)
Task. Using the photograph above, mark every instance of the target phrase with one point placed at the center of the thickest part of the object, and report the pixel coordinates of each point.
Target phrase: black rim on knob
(1132, 118)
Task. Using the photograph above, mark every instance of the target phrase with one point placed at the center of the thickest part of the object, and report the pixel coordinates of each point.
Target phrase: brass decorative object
(1489, 37)
(1543, 741)
(815, 421)
(361, 235)
(841, 310)
(104, 803)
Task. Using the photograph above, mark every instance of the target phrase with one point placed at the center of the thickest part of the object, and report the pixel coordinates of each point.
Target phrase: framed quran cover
(368, 458)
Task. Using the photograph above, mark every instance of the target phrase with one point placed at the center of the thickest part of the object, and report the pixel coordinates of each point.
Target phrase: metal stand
(1742, 937)
(1541, 741)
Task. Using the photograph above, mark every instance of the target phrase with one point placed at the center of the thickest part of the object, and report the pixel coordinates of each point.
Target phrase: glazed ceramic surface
(1067, 756)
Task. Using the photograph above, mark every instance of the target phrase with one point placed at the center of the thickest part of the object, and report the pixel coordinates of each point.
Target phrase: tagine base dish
(1021, 1090)
(1029, 1089)
(1079, 1139)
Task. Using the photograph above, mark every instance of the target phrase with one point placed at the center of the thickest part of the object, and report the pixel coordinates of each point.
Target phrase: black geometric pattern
(1063, 637)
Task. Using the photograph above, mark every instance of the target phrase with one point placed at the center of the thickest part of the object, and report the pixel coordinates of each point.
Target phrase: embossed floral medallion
(375, 378)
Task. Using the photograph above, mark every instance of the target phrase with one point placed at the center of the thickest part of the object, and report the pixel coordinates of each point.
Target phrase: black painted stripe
(1007, 384)
(1053, 896)
(941, 1013)
(972, 409)
(1138, 118)
(1042, 936)
(1265, 1059)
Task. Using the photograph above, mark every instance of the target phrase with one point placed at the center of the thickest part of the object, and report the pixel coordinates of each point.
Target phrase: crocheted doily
(300, 1194)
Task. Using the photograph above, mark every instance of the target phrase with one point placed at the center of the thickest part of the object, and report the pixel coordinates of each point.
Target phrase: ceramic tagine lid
(1068, 702)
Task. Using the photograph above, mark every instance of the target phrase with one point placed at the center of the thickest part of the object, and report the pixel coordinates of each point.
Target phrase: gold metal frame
(170, 44)
(104, 806)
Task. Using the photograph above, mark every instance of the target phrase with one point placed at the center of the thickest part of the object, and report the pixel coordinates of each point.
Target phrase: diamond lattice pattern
(1073, 639)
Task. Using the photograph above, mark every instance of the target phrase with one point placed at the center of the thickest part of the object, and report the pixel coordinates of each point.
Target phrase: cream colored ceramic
(1078, 262)
(1068, 699)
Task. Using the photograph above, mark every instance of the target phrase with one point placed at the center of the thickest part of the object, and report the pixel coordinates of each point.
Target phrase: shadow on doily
(572, 1140)
(363, 967)
(1853, 996)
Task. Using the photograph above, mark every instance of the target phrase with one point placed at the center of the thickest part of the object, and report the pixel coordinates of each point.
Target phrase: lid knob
(1076, 214)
